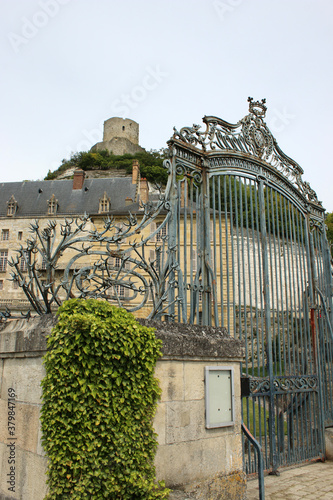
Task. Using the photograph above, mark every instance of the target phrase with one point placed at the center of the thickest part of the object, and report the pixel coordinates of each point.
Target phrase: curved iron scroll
(284, 385)
(74, 258)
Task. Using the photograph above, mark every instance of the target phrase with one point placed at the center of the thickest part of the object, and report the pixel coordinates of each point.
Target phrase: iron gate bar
(267, 306)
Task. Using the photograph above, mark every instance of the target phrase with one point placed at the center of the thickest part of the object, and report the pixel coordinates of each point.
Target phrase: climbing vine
(99, 399)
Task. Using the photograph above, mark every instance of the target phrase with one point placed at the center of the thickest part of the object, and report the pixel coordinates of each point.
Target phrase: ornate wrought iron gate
(248, 235)
(245, 248)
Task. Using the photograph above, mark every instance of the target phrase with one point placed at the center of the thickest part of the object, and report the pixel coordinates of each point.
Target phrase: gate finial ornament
(257, 108)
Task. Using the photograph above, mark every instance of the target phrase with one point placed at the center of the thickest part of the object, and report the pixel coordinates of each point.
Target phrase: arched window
(104, 204)
(52, 205)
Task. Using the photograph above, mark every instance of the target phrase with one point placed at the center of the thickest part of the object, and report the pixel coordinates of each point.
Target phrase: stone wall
(121, 127)
(206, 463)
(22, 345)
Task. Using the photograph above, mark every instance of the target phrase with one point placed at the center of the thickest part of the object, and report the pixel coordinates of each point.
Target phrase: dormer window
(52, 205)
(11, 206)
(104, 204)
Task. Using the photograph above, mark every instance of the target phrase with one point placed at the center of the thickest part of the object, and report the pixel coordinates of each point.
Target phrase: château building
(24, 203)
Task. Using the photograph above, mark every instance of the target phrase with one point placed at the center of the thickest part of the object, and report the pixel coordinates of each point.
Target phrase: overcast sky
(68, 65)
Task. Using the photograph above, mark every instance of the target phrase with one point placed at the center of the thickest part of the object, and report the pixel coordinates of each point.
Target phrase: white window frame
(3, 260)
(5, 234)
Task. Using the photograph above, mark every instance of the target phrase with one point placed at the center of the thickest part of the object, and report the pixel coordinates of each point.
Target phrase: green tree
(151, 164)
(329, 224)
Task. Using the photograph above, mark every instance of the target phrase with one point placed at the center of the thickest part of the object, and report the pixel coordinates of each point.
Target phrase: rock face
(121, 136)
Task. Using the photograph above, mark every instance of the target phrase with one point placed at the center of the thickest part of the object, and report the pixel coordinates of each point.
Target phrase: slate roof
(32, 196)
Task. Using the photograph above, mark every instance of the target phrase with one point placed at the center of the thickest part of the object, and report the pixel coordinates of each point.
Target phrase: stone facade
(206, 463)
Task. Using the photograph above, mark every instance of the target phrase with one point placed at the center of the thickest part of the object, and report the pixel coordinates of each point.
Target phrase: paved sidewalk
(313, 481)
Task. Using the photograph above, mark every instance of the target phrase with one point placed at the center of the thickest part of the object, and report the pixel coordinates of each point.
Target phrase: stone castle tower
(121, 136)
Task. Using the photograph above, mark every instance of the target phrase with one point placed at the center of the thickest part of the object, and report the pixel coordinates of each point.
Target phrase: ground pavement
(313, 481)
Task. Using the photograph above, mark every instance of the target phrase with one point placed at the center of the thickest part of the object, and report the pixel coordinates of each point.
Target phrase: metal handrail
(257, 447)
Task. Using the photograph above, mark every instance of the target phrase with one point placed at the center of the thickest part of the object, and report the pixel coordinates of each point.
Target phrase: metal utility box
(219, 392)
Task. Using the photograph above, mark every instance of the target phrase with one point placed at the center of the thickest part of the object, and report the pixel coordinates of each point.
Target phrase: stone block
(26, 425)
(184, 463)
(179, 463)
(22, 337)
(329, 443)
(220, 454)
(34, 487)
(185, 421)
(170, 376)
(194, 380)
(30, 478)
(233, 457)
(24, 376)
(160, 423)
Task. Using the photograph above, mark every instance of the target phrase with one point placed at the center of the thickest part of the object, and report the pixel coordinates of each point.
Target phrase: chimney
(128, 201)
(143, 191)
(135, 171)
(78, 179)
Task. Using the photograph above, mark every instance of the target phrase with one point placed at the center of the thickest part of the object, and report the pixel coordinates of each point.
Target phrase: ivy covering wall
(99, 399)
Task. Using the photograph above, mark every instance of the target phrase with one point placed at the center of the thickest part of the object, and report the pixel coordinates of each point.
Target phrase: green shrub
(329, 224)
(151, 164)
(99, 399)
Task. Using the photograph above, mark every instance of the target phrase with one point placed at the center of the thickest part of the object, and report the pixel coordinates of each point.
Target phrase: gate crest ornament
(250, 136)
(255, 131)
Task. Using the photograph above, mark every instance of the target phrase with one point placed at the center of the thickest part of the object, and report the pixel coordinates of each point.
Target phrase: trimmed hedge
(99, 399)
